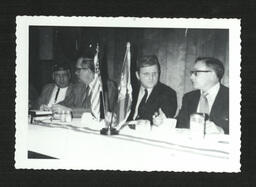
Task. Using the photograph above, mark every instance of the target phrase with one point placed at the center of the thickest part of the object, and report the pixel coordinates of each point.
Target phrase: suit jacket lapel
(194, 102)
(153, 94)
(49, 96)
(135, 94)
(69, 89)
(217, 102)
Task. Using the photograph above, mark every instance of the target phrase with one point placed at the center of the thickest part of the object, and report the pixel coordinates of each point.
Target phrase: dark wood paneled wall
(176, 50)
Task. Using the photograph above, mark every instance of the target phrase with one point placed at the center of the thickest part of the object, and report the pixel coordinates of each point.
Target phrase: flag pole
(97, 68)
(128, 45)
(110, 130)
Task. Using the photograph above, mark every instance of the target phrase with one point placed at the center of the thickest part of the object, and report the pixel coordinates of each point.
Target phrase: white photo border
(22, 52)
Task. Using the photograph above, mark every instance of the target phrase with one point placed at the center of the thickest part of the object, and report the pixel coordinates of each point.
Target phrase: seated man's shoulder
(78, 85)
(48, 86)
(192, 94)
(224, 88)
(165, 88)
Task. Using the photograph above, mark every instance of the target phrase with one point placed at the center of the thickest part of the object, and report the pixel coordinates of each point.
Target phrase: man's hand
(45, 108)
(211, 128)
(159, 118)
(143, 122)
(58, 108)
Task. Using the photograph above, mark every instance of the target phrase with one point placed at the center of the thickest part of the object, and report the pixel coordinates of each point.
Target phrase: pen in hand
(158, 117)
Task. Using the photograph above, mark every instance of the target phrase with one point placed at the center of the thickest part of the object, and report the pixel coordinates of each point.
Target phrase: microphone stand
(109, 130)
(206, 117)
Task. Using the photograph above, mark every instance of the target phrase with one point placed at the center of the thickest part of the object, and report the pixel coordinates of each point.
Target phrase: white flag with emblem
(125, 89)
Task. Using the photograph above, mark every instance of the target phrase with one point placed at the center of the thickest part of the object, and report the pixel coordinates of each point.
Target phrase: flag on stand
(125, 89)
(96, 89)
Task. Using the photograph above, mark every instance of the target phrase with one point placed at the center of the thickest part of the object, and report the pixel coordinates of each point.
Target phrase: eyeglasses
(199, 71)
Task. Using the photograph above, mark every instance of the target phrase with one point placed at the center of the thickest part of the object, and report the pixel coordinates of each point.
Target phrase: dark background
(176, 51)
(245, 10)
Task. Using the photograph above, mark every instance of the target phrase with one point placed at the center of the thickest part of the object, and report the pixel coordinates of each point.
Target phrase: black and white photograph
(140, 94)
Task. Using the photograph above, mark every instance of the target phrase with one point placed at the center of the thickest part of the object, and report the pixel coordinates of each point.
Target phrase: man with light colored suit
(57, 91)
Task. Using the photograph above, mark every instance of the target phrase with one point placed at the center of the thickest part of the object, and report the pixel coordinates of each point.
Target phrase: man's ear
(137, 75)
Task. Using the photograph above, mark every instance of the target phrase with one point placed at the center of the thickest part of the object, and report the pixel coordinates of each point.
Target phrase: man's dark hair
(213, 63)
(89, 62)
(60, 67)
(148, 60)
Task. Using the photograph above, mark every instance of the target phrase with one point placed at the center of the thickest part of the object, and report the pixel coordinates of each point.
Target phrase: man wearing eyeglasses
(209, 97)
(152, 100)
(79, 101)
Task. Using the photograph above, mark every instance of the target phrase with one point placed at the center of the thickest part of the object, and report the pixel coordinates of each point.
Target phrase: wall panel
(176, 50)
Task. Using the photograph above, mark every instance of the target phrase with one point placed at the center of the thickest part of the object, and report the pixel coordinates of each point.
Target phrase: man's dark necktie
(142, 104)
(87, 98)
(56, 96)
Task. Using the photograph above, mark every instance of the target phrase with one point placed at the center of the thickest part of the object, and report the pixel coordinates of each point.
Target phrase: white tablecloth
(161, 147)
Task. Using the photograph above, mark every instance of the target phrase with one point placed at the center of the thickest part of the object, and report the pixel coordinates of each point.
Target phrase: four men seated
(152, 101)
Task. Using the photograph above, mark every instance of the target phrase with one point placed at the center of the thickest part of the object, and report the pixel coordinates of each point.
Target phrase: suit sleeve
(169, 104)
(221, 116)
(43, 96)
(70, 102)
(183, 116)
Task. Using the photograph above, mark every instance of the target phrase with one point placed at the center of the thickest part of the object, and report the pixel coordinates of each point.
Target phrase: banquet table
(148, 148)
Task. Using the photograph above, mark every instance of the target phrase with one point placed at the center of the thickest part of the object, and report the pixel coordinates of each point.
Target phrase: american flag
(125, 89)
(96, 89)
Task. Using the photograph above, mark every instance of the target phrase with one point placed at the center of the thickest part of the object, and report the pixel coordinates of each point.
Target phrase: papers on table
(40, 112)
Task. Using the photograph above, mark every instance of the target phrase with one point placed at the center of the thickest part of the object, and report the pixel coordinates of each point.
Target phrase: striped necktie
(95, 100)
(203, 104)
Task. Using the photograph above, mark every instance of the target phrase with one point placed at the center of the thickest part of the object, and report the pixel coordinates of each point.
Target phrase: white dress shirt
(61, 96)
(140, 96)
(211, 95)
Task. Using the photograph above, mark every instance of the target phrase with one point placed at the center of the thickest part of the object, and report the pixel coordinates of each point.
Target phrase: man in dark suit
(151, 97)
(57, 91)
(210, 97)
(79, 101)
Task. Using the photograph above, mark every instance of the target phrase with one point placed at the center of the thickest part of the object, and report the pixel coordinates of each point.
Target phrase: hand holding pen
(158, 117)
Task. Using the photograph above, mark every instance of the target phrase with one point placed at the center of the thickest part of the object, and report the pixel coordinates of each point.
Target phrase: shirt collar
(148, 89)
(56, 87)
(213, 90)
